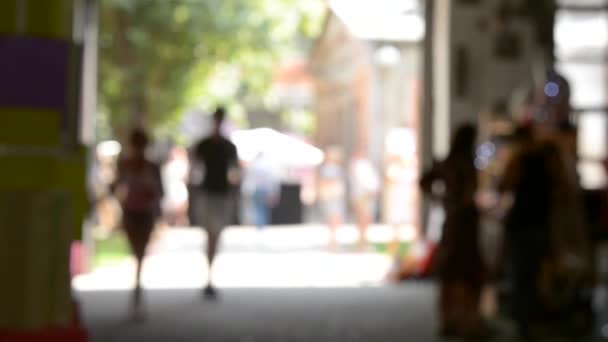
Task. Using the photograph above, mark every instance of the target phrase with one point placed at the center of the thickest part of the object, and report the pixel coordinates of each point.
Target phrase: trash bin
(290, 208)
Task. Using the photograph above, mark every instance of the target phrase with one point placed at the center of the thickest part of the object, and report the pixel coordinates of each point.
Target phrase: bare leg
(363, 220)
(213, 240)
(446, 319)
(138, 236)
(212, 247)
(333, 224)
(394, 246)
(137, 291)
(472, 317)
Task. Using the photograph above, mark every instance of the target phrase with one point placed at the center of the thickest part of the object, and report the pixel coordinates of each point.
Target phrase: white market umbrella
(281, 148)
(108, 148)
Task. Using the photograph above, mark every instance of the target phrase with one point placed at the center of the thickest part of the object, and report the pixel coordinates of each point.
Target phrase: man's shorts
(212, 211)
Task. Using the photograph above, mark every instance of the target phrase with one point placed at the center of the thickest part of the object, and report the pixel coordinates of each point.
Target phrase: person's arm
(160, 189)
(118, 187)
(196, 169)
(234, 171)
(428, 179)
(118, 179)
(507, 184)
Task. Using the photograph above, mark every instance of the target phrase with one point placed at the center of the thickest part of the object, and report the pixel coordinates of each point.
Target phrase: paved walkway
(267, 315)
(387, 314)
(284, 286)
(287, 256)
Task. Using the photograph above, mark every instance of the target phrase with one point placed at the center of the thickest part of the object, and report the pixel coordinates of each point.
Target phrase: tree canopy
(159, 57)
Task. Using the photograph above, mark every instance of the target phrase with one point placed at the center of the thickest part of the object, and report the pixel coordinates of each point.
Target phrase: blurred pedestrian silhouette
(332, 192)
(262, 186)
(365, 185)
(216, 157)
(175, 174)
(570, 237)
(400, 184)
(139, 189)
(529, 181)
(459, 265)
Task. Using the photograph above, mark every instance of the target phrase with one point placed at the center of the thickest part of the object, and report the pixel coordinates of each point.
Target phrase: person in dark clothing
(529, 180)
(459, 265)
(217, 157)
(139, 189)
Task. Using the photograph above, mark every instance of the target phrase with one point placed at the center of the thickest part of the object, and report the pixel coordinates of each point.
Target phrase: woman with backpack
(139, 189)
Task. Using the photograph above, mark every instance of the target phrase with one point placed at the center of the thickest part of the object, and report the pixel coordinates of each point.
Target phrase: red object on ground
(427, 261)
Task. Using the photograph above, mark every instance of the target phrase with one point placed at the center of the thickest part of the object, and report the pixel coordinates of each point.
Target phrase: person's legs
(363, 220)
(217, 215)
(334, 223)
(394, 246)
(522, 295)
(447, 324)
(473, 324)
(458, 307)
(526, 269)
(138, 229)
(332, 213)
(213, 239)
(260, 200)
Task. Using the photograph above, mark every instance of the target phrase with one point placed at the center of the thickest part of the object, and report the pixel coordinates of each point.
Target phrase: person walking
(139, 190)
(175, 173)
(400, 182)
(217, 158)
(332, 193)
(262, 186)
(365, 185)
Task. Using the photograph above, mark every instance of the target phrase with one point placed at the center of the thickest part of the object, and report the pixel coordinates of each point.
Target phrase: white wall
(489, 79)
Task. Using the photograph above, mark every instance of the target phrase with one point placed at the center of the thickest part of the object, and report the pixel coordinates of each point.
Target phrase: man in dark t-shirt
(218, 158)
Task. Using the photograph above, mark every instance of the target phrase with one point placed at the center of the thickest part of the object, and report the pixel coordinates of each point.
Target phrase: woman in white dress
(400, 180)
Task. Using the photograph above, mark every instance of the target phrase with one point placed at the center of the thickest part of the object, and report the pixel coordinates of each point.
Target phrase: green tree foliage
(158, 57)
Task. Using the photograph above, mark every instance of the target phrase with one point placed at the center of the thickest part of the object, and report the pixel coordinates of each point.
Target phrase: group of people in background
(202, 187)
(544, 252)
(536, 197)
(359, 186)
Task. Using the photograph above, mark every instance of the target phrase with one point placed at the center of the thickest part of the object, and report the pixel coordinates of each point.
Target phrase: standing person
(331, 192)
(175, 174)
(529, 180)
(139, 189)
(570, 238)
(365, 185)
(459, 260)
(400, 176)
(218, 161)
(261, 184)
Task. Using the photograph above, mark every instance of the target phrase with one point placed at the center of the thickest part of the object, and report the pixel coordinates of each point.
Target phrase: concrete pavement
(267, 315)
(287, 256)
(285, 287)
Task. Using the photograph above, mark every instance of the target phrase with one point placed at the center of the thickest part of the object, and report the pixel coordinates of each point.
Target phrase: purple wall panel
(34, 73)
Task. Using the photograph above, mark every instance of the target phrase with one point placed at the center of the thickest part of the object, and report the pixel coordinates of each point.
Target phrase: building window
(581, 37)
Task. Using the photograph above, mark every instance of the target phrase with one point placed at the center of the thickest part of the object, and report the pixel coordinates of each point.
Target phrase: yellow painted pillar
(42, 163)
